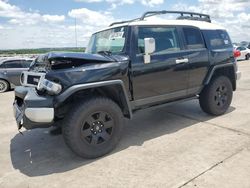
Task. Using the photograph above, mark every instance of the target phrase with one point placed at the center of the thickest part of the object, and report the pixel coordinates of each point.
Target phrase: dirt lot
(175, 146)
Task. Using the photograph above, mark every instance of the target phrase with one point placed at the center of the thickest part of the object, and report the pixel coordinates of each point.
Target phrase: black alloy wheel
(216, 97)
(93, 127)
(221, 96)
(97, 128)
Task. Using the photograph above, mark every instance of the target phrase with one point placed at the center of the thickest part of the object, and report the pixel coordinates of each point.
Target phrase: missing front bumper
(31, 110)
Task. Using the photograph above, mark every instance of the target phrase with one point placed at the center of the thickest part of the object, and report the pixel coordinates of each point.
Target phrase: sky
(51, 23)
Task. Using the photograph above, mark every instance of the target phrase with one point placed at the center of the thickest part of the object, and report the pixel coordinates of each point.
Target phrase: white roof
(199, 24)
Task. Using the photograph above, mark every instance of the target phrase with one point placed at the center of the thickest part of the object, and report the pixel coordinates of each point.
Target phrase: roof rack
(121, 22)
(183, 16)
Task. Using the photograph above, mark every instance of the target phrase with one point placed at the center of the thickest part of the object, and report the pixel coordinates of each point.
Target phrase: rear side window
(218, 39)
(13, 64)
(166, 39)
(26, 63)
(193, 38)
(241, 48)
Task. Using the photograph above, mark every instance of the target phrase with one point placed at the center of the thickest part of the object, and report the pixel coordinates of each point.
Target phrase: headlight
(51, 87)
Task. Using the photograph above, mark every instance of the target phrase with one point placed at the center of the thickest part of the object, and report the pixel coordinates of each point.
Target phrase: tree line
(40, 50)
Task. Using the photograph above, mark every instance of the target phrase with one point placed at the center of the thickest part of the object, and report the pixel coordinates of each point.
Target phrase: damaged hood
(77, 68)
(62, 60)
(78, 56)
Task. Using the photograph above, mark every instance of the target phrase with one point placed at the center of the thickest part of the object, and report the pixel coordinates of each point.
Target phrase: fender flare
(73, 89)
(216, 67)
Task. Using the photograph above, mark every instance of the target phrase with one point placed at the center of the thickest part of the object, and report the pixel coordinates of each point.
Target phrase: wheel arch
(227, 70)
(4, 78)
(113, 89)
(8, 82)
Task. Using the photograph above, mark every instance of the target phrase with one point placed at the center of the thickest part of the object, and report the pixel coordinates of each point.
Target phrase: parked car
(10, 71)
(245, 53)
(129, 66)
(248, 46)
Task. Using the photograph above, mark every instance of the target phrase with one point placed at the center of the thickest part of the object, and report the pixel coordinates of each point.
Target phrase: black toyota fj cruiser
(127, 67)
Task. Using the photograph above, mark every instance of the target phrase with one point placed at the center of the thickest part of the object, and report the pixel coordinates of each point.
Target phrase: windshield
(112, 40)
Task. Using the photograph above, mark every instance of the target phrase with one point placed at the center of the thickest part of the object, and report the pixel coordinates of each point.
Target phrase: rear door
(166, 77)
(13, 70)
(198, 57)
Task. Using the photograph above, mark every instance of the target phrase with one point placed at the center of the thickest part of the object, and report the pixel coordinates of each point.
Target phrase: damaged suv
(129, 66)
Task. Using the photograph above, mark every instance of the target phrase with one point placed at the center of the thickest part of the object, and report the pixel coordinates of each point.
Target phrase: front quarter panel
(90, 73)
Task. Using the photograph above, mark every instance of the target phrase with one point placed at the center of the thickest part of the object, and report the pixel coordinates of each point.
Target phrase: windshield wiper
(105, 52)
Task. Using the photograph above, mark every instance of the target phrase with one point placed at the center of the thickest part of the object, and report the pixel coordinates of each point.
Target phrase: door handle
(179, 61)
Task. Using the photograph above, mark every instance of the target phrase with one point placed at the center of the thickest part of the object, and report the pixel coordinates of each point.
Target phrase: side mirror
(149, 44)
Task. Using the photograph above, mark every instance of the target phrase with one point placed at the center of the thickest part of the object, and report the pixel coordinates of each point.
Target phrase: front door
(165, 78)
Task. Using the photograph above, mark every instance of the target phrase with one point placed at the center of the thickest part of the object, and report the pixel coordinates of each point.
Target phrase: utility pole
(75, 33)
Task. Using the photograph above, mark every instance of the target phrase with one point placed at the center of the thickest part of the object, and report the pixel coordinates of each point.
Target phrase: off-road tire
(216, 97)
(78, 121)
(4, 86)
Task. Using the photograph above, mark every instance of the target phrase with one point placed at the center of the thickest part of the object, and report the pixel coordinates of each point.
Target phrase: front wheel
(216, 98)
(94, 127)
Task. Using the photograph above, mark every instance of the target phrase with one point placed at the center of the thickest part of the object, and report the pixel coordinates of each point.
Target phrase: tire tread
(68, 126)
(205, 99)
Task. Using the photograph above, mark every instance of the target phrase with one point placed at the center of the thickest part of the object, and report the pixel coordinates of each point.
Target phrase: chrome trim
(40, 115)
(180, 61)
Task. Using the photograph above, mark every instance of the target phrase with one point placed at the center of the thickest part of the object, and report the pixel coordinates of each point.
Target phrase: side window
(26, 63)
(166, 39)
(2, 66)
(193, 38)
(218, 39)
(13, 64)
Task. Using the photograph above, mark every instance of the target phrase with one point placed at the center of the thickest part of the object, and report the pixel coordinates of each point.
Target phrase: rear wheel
(247, 56)
(4, 86)
(216, 98)
(93, 128)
